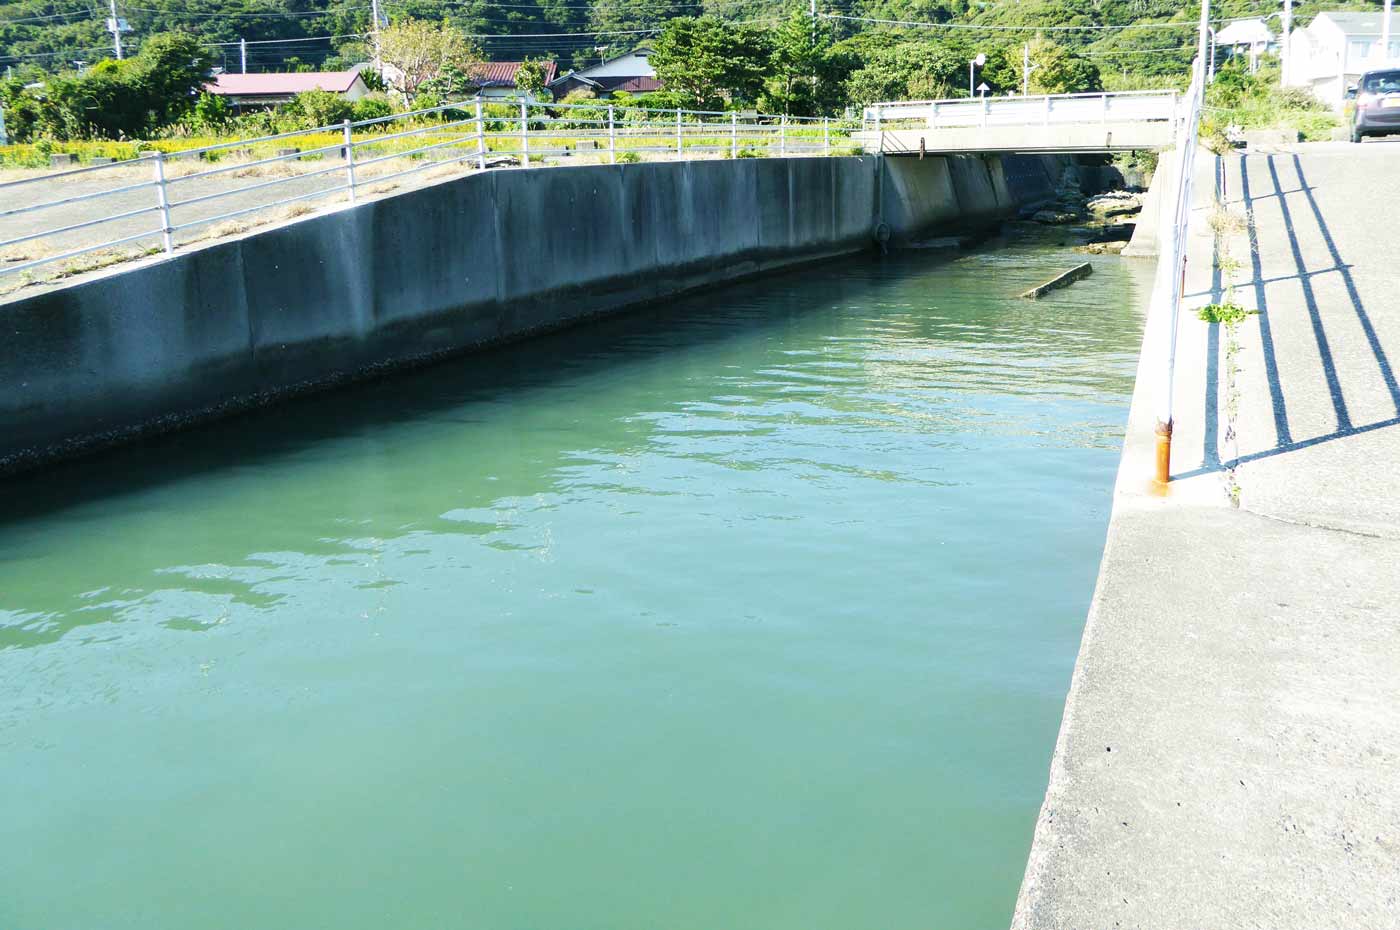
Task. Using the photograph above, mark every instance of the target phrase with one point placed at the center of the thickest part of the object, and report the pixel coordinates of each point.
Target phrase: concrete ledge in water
(1077, 273)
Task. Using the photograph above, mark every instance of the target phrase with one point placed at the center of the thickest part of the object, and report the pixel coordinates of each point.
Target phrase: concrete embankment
(442, 269)
(1230, 751)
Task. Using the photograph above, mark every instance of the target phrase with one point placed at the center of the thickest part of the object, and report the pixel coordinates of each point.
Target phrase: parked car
(1375, 104)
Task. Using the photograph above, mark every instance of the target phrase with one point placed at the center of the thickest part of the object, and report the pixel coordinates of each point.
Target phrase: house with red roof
(271, 89)
(497, 78)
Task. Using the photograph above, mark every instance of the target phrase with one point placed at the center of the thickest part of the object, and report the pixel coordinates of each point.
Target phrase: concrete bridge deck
(1230, 752)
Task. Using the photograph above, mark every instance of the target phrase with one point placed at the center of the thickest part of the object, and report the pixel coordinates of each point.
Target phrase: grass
(1256, 101)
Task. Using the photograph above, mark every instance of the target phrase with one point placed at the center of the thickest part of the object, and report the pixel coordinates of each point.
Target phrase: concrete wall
(441, 269)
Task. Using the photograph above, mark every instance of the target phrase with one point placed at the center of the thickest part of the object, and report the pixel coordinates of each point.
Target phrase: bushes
(312, 108)
(114, 99)
(1255, 101)
(373, 106)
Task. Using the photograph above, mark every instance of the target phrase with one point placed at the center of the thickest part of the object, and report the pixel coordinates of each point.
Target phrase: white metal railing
(1173, 222)
(155, 198)
(1146, 106)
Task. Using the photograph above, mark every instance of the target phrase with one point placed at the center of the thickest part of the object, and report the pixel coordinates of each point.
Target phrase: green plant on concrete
(1228, 313)
(628, 158)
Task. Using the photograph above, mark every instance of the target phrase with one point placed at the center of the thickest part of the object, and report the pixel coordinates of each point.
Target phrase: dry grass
(1226, 222)
(227, 228)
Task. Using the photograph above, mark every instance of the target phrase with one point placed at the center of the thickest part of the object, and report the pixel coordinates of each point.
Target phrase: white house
(630, 72)
(1245, 36)
(1335, 49)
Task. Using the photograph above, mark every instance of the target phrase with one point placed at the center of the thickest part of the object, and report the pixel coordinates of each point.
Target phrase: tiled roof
(502, 73)
(277, 84)
(634, 85)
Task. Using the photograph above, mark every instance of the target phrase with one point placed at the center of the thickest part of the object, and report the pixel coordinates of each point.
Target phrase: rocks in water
(1115, 203)
(1103, 248)
(1054, 217)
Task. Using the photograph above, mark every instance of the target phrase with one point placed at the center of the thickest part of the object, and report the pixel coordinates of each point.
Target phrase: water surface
(753, 610)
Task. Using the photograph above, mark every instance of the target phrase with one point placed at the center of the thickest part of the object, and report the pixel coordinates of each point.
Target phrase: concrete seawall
(442, 269)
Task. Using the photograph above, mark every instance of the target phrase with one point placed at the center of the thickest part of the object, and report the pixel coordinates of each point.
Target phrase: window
(1359, 48)
(1381, 82)
(1394, 48)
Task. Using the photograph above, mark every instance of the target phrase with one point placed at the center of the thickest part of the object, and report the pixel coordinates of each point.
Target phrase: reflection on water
(752, 610)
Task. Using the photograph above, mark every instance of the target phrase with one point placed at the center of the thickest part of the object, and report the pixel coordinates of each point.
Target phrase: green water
(756, 610)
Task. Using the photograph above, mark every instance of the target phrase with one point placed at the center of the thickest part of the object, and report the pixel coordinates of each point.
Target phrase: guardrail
(157, 201)
(1173, 220)
(1150, 106)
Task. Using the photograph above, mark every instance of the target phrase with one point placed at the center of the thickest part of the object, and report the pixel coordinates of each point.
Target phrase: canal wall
(461, 264)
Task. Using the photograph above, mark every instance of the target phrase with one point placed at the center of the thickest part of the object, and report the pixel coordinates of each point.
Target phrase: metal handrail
(614, 130)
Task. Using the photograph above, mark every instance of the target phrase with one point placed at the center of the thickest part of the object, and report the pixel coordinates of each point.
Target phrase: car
(1375, 109)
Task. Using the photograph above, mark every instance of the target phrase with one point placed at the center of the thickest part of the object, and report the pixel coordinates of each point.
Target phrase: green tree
(711, 62)
(1057, 70)
(415, 51)
(121, 99)
(803, 76)
(529, 78)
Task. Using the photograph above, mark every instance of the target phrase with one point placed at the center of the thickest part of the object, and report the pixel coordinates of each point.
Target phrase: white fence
(1042, 110)
(158, 202)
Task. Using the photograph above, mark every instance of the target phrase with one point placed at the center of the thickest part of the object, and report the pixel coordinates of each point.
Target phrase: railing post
(1047, 110)
(933, 117)
(524, 135)
(164, 201)
(1104, 98)
(733, 135)
(480, 136)
(879, 130)
(612, 136)
(782, 135)
(826, 135)
(986, 111)
(678, 130)
(349, 161)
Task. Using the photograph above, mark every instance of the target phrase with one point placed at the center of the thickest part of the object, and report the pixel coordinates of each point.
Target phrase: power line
(974, 26)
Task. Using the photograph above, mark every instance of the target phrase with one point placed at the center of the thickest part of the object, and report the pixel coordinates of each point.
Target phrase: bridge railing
(69, 221)
(1039, 110)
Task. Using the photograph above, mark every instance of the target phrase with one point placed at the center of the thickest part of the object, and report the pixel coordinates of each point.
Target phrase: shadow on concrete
(1211, 461)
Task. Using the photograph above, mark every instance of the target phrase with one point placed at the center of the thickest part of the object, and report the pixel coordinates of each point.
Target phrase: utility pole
(374, 30)
(1026, 70)
(1385, 34)
(1283, 48)
(115, 25)
(242, 55)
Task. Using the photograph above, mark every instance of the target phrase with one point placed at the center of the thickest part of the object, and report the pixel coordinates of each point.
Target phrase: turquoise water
(753, 610)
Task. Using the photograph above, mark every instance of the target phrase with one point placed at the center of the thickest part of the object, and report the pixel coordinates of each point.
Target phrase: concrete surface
(441, 269)
(1230, 751)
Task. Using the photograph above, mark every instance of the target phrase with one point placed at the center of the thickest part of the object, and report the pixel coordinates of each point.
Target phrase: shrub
(312, 108)
(371, 106)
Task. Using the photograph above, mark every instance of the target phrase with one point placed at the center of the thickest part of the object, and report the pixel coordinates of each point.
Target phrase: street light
(977, 62)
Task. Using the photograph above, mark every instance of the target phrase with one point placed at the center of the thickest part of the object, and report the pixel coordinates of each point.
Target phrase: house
(496, 79)
(258, 91)
(1334, 50)
(1245, 36)
(629, 72)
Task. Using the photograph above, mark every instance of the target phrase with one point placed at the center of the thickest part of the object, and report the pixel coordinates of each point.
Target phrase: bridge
(1050, 123)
